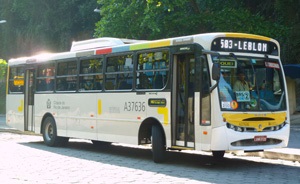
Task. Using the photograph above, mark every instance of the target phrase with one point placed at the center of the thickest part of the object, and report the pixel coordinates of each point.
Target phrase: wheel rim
(48, 132)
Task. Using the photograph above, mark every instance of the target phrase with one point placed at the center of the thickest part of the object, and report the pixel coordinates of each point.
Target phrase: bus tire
(50, 134)
(158, 145)
(218, 154)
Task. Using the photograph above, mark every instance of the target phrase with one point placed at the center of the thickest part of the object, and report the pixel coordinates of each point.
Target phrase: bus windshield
(250, 84)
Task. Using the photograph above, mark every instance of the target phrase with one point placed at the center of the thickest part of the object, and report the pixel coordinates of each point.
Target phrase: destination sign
(244, 45)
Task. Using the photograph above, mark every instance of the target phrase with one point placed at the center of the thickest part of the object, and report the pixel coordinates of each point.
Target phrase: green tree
(289, 12)
(154, 19)
(3, 68)
(35, 26)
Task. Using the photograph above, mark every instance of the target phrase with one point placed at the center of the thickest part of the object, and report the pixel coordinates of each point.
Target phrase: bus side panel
(77, 114)
(82, 112)
(219, 139)
(15, 111)
(119, 116)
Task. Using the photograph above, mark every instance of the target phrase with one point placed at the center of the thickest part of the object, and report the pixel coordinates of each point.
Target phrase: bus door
(183, 97)
(29, 100)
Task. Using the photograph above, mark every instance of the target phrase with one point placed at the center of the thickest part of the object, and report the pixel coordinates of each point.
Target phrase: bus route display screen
(244, 45)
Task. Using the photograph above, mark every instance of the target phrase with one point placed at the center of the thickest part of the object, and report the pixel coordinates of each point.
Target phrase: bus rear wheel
(158, 145)
(50, 133)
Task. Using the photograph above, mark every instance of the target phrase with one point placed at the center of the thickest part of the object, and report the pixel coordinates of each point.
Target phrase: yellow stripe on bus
(149, 45)
(99, 107)
(21, 107)
(250, 36)
(164, 111)
(160, 44)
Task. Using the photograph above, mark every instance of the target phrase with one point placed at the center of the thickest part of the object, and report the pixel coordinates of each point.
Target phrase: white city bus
(173, 94)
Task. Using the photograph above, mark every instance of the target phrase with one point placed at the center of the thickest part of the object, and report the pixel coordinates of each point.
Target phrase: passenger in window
(241, 84)
(49, 84)
(61, 84)
(88, 85)
(226, 92)
(144, 82)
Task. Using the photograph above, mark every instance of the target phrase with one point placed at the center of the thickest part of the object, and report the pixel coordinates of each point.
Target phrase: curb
(287, 154)
(15, 131)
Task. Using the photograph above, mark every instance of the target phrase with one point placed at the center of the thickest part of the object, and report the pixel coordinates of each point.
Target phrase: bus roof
(108, 45)
(41, 58)
(101, 42)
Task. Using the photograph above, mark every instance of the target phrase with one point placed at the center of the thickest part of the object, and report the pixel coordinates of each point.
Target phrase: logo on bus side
(59, 105)
(48, 104)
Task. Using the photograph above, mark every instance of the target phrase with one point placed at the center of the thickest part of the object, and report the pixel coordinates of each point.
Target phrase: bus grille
(251, 142)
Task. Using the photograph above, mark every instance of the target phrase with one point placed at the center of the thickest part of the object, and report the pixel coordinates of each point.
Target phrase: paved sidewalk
(291, 153)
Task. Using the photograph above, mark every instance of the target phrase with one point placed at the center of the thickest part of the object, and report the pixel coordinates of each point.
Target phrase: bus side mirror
(216, 69)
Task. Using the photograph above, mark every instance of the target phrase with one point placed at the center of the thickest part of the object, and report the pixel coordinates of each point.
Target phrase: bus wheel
(158, 145)
(218, 154)
(50, 134)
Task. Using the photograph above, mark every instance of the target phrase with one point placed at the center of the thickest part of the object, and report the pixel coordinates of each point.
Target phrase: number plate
(260, 138)
(242, 96)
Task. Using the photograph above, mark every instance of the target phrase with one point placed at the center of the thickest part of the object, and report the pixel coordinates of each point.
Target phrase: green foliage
(35, 26)
(3, 68)
(154, 19)
(118, 22)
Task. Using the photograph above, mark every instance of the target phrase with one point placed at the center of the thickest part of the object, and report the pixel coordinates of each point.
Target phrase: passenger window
(152, 70)
(119, 72)
(45, 77)
(67, 76)
(91, 77)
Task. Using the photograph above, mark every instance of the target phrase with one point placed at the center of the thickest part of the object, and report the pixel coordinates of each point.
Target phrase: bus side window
(67, 74)
(45, 77)
(158, 82)
(61, 84)
(90, 76)
(109, 85)
(152, 70)
(119, 72)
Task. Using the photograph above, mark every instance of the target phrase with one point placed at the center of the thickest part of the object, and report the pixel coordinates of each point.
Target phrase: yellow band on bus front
(250, 36)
